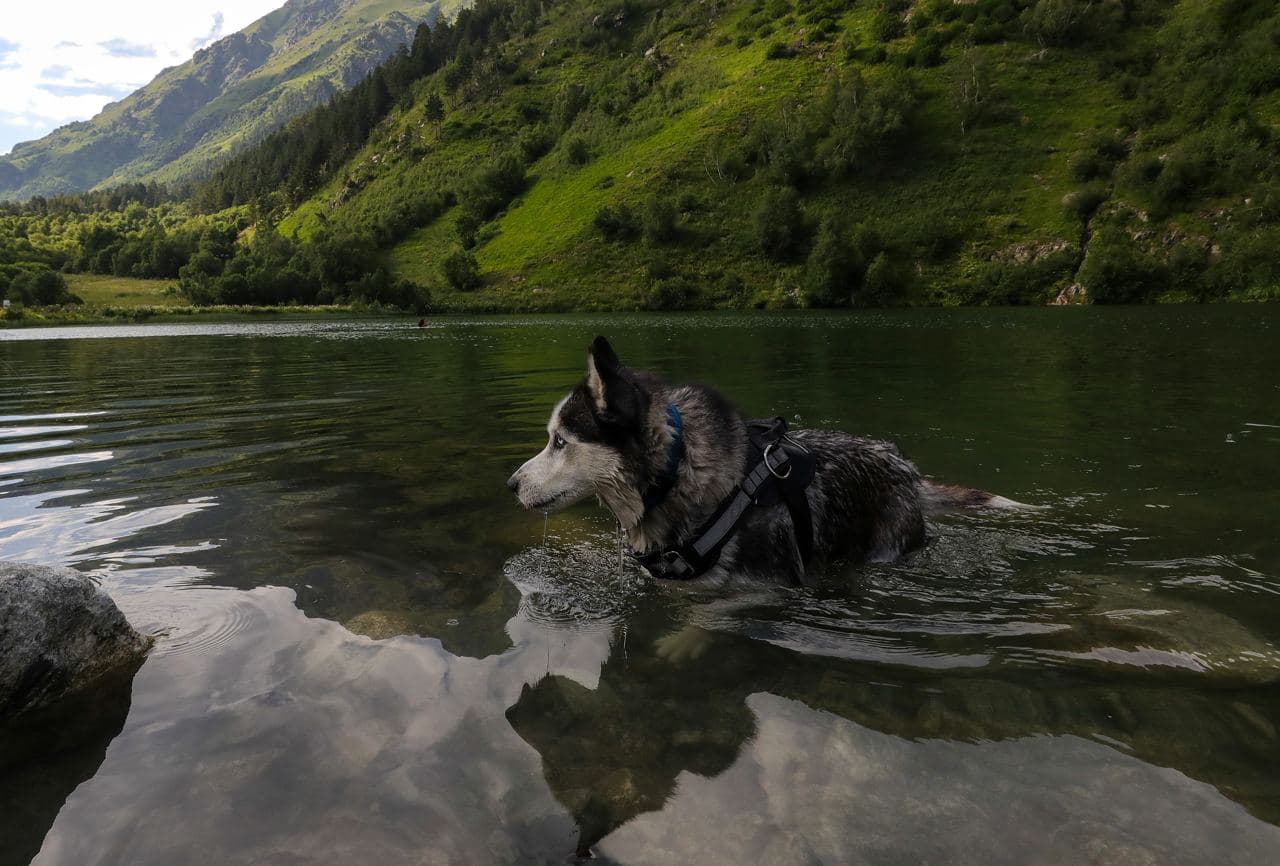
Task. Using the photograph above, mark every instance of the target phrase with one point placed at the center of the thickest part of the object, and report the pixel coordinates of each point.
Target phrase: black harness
(778, 470)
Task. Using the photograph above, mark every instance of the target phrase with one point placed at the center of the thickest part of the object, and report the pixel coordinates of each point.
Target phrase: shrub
(1084, 202)
(461, 271)
(782, 145)
(671, 293)
(40, 288)
(466, 225)
(1056, 22)
(617, 222)
(534, 141)
(779, 51)
(884, 281)
(887, 26)
(1116, 271)
(1104, 150)
(658, 268)
(569, 102)
(659, 220)
(780, 226)
(576, 151)
(927, 51)
(1249, 263)
(731, 287)
(859, 120)
(1007, 282)
(831, 272)
(490, 189)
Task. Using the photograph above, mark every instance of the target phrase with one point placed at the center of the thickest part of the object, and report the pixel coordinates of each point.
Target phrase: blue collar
(663, 484)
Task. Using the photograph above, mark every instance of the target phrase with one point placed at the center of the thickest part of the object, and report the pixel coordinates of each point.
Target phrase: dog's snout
(513, 483)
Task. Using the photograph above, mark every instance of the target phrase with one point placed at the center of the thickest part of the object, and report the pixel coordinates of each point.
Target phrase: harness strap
(775, 466)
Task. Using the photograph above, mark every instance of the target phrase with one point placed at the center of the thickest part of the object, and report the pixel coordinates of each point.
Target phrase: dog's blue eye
(557, 443)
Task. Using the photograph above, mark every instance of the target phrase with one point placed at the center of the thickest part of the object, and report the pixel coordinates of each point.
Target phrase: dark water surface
(369, 654)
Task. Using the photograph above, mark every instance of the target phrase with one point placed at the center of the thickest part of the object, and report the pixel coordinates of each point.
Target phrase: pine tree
(435, 110)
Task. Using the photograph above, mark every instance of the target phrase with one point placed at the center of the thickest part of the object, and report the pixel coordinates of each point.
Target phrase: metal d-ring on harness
(778, 470)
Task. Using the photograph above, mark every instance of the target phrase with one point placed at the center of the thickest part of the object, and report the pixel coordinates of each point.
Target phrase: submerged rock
(58, 633)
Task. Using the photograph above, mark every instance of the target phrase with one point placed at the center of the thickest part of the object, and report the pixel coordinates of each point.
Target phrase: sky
(63, 60)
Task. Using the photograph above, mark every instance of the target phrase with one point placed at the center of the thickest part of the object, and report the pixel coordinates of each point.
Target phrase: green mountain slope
(226, 97)
(645, 153)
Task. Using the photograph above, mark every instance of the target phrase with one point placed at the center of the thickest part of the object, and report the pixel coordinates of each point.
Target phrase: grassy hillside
(228, 96)
(938, 153)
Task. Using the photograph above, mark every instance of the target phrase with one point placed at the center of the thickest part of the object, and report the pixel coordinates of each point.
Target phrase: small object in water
(422, 323)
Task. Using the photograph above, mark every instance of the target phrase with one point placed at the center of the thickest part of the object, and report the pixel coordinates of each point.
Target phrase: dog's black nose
(513, 483)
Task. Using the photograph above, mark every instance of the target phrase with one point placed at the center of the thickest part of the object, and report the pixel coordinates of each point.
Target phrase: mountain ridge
(226, 97)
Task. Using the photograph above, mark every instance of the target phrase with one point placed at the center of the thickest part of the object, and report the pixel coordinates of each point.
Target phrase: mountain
(226, 97)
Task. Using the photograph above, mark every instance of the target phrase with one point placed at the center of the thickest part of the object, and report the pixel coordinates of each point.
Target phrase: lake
(369, 654)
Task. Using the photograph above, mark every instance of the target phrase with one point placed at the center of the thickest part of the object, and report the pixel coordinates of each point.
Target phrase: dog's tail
(944, 497)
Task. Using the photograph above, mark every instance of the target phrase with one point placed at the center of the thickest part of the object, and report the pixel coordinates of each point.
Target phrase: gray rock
(58, 633)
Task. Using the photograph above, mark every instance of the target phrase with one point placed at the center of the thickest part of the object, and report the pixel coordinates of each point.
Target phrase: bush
(576, 151)
(887, 26)
(1116, 271)
(1007, 282)
(569, 102)
(43, 288)
(832, 269)
(779, 51)
(884, 281)
(782, 145)
(467, 225)
(491, 188)
(617, 223)
(659, 221)
(671, 293)
(1084, 203)
(461, 271)
(780, 226)
(858, 120)
(535, 141)
(1249, 263)
(1056, 22)
(1104, 150)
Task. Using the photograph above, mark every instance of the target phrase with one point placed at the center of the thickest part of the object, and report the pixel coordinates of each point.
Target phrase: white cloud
(64, 60)
(214, 34)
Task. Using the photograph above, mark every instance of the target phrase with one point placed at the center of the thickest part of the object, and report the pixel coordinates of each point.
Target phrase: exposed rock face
(58, 633)
(1072, 294)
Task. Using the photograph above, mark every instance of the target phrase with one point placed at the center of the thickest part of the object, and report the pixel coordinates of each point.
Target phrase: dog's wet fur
(610, 437)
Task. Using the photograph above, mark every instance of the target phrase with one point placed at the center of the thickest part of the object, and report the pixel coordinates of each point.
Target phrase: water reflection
(616, 751)
(47, 753)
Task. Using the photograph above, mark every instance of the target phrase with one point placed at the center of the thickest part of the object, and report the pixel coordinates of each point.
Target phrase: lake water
(370, 654)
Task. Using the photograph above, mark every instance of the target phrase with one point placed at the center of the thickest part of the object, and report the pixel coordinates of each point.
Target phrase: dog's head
(594, 441)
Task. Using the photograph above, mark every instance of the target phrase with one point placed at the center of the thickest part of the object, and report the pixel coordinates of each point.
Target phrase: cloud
(7, 47)
(123, 48)
(214, 34)
(55, 71)
(113, 90)
(66, 44)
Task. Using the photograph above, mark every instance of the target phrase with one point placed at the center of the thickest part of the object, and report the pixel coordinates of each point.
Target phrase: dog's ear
(616, 396)
(604, 374)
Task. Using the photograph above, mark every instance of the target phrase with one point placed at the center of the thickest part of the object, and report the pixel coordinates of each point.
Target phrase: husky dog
(669, 460)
